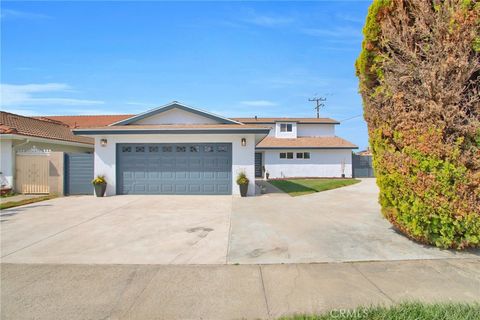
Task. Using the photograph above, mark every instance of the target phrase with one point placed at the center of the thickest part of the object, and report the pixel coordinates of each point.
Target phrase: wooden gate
(32, 173)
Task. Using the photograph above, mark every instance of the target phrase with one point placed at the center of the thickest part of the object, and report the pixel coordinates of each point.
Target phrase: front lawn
(404, 311)
(298, 187)
(5, 204)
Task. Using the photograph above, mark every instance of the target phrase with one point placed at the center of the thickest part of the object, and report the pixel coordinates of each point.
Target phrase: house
(20, 133)
(178, 149)
(301, 147)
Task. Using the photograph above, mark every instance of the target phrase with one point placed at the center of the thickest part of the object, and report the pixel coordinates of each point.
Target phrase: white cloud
(338, 32)
(9, 13)
(13, 95)
(258, 103)
(266, 20)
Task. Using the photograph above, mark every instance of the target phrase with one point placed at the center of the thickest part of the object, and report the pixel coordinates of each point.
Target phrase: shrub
(419, 73)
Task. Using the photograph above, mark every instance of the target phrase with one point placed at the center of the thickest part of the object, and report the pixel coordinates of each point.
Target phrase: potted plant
(242, 182)
(100, 185)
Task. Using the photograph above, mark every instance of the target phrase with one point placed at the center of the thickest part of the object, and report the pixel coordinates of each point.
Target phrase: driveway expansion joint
(372, 283)
(264, 292)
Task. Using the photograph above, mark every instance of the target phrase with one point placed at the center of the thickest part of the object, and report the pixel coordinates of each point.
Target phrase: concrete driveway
(338, 225)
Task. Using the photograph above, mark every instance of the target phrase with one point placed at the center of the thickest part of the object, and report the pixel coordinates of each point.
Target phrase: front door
(258, 164)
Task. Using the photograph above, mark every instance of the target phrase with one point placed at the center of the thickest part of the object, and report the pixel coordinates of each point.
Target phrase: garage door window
(195, 149)
(208, 148)
(127, 149)
(153, 149)
(181, 149)
(222, 149)
(139, 149)
(166, 149)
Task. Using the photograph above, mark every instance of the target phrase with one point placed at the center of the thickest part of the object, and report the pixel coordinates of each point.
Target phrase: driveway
(337, 225)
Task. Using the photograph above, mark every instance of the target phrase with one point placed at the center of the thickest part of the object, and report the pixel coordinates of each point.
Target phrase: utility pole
(320, 103)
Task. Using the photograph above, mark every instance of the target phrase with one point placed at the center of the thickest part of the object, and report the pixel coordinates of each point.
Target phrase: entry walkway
(227, 291)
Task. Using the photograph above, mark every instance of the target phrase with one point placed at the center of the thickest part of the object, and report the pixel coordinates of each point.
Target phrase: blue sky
(231, 58)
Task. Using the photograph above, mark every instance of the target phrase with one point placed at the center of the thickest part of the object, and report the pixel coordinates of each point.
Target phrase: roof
(87, 121)
(175, 105)
(298, 120)
(306, 143)
(174, 128)
(11, 123)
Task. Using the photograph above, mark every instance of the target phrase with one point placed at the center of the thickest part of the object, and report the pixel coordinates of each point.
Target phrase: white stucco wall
(176, 116)
(6, 161)
(242, 157)
(9, 148)
(322, 163)
(315, 130)
(279, 134)
(53, 147)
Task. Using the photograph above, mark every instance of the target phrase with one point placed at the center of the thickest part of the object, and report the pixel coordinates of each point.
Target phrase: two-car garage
(174, 168)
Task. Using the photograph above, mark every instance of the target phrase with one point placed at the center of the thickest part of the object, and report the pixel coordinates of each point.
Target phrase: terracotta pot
(243, 190)
(100, 189)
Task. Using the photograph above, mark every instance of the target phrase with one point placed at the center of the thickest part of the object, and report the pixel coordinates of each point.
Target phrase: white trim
(45, 140)
(170, 104)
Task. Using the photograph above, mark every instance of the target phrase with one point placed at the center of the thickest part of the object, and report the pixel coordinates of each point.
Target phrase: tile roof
(173, 127)
(87, 121)
(306, 142)
(299, 120)
(11, 123)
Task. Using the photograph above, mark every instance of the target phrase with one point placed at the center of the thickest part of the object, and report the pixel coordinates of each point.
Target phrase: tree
(419, 73)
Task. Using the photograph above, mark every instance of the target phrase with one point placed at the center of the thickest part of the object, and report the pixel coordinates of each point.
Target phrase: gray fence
(362, 166)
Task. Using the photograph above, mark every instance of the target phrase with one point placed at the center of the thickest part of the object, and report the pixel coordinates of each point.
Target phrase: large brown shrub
(419, 73)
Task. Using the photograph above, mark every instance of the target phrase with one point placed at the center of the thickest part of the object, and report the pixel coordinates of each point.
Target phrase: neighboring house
(177, 149)
(20, 133)
(301, 147)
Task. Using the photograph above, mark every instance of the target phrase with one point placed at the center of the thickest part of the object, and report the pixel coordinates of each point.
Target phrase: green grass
(12, 204)
(404, 311)
(298, 187)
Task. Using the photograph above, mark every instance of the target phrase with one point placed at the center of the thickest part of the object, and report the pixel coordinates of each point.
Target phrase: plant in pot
(242, 182)
(100, 185)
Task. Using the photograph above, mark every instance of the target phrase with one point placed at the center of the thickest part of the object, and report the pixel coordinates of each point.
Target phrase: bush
(419, 73)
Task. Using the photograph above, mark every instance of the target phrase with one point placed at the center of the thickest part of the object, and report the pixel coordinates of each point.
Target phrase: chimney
(256, 118)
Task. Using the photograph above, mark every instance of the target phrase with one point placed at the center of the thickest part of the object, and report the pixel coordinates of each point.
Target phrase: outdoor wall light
(244, 142)
(103, 142)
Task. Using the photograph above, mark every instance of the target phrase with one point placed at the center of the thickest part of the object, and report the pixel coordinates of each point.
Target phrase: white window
(286, 155)
(303, 155)
(286, 127)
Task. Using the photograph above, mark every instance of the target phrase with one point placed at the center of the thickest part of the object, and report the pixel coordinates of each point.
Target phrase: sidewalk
(227, 291)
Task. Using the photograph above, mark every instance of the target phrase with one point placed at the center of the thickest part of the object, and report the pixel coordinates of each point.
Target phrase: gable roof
(11, 123)
(87, 121)
(175, 129)
(175, 105)
(306, 143)
(298, 120)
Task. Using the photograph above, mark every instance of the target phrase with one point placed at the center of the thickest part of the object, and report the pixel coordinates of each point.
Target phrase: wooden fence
(32, 173)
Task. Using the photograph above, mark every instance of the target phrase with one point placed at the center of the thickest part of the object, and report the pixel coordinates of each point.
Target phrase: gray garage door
(78, 173)
(174, 168)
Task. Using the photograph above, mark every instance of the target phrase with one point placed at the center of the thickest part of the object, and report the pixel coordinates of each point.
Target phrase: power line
(359, 115)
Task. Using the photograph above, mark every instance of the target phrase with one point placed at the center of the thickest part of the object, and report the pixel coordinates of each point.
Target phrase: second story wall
(315, 130)
(291, 133)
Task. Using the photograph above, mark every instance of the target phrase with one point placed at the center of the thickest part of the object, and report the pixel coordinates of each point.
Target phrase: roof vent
(256, 118)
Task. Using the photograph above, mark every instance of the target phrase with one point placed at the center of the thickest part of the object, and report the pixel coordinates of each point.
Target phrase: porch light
(103, 142)
(244, 142)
